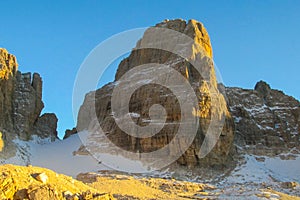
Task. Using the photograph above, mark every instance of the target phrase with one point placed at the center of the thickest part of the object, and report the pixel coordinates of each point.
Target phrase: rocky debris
(43, 192)
(21, 103)
(266, 120)
(289, 185)
(142, 99)
(18, 183)
(81, 151)
(7, 185)
(260, 159)
(69, 132)
(70, 196)
(124, 186)
(67, 193)
(268, 195)
(42, 177)
(88, 195)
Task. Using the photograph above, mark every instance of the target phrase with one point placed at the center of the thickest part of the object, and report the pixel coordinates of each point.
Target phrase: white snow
(57, 156)
(284, 170)
(256, 109)
(282, 108)
(265, 171)
(247, 180)
(264, 127)
(251, 171)
(134, 115)
(237, 119)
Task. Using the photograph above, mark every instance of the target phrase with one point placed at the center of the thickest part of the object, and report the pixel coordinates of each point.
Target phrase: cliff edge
(21, 105)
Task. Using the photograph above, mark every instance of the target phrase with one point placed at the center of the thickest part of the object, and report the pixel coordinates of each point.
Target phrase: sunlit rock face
(267, 121)
(203, 84)
(8, 69)
(21, 103)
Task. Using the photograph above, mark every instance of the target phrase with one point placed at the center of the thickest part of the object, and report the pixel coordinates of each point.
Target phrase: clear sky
(252, 40)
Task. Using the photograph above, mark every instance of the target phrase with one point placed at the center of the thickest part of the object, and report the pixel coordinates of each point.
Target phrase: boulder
(42, 177)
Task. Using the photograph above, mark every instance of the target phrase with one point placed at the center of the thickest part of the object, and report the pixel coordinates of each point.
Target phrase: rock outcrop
(35, 183)
(143, 98)
(267, 121)
(70, 132)
(21, 103)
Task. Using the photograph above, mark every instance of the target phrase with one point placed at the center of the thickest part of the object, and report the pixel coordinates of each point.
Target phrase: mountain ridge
(261, 130)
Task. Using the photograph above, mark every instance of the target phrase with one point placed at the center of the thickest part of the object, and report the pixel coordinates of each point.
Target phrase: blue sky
(252, 40)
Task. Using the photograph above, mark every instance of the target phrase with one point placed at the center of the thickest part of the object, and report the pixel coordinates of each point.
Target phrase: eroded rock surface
(21, 104)
(19, 182)
(267, 121)
(197, 51)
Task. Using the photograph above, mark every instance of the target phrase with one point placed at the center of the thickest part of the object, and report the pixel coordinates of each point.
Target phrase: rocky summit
(21, 104)
(199, 51)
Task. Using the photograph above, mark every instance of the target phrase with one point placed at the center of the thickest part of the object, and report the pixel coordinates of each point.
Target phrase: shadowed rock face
(21, 103)
(144, 97)
(267, 121)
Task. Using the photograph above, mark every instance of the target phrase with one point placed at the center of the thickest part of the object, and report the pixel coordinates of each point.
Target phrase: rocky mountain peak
(190, 46)
(263, 88)
(171, 44)
(191, 28)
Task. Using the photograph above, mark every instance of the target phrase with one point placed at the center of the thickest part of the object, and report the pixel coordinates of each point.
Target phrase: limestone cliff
(21, 103)
(199, 50)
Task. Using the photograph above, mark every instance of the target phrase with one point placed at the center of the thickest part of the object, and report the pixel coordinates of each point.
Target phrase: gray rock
(21, 103)
(69, 132)
(45, 126)
(266, 120)
(263, 89)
